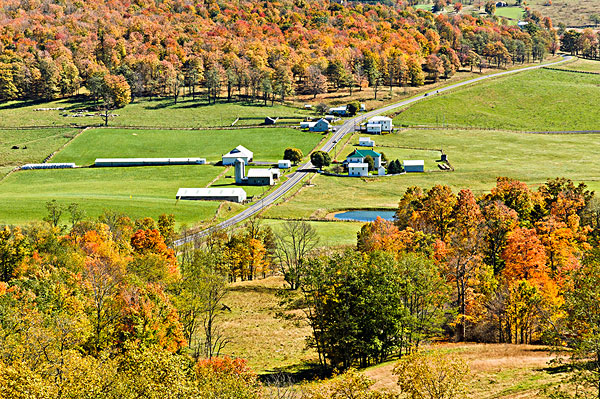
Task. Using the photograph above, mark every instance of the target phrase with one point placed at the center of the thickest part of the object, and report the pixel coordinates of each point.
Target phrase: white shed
(320, 126)
(358, 169)
(384, 121)
(414, 166)
(212, 194)
(259, 177)
(365, 142)
(284, 164)
(238, 152)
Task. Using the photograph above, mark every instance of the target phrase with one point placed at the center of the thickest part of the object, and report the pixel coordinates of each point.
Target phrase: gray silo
(240, 172)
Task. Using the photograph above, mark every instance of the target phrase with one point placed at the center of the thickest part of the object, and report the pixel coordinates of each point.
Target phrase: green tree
(370, 161)
(320, 159)
(8, 89)
(352, 108)
(293, 154)
(490, 7)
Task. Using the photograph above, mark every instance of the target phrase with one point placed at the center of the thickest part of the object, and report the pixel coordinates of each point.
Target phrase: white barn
(414, 166)
(384, 121)
(212, 194)
(259, 177)
(238, 152)
(358, 169)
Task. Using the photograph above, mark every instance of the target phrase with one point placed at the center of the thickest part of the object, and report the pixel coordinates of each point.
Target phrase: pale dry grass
(497, 370)
(261, 331)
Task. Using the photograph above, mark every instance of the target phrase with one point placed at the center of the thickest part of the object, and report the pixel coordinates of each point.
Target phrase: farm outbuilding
(414, 166)
(212, 194)
(123, 162)
(366, 142)
(358, 169)
(238, 152)
(260, 177)
(284, 164)
(322, 125)
(373, 128)
(340, 111)
(31, 166)
(384, 121)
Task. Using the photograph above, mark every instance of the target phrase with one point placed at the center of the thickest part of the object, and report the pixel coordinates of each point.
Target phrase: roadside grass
(478, 157)
(538, 100)
(135, 191)
(39, 142)
(267, 144)
(497, 370)
(583, 65)
(160, 112)
(268, 336)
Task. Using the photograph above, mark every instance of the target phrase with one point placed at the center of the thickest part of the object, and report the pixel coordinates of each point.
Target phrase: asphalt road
(341, 131)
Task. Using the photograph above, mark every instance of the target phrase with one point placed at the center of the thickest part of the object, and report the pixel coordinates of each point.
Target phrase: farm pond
(365, 215)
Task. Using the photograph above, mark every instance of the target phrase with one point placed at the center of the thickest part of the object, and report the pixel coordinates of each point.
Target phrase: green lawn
(331, 234)
(39, 144)
(582, 65)
(537, 100)
(138, 192)
(510, 12)
(142, 112)
(479, 157)
(267, 144)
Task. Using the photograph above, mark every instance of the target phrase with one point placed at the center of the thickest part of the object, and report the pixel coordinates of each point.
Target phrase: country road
(348, 127)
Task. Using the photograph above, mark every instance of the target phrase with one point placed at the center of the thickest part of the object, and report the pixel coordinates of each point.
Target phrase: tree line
(246, 50)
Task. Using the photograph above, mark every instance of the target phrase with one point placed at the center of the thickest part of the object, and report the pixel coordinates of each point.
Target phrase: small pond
(365, 215)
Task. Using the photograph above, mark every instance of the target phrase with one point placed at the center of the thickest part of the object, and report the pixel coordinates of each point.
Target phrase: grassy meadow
(538, 100)
(582, 65)
(510, 12)
(34, 145)
(136, 191)
(162, 112)
(267, 144)
(478, 157)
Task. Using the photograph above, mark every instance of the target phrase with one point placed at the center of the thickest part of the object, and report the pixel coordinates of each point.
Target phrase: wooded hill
(50, 49)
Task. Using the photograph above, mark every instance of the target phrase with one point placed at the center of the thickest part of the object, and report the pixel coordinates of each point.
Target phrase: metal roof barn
(212, 194)
(119, 162)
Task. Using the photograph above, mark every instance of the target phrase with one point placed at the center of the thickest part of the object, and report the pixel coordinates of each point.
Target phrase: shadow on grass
(256, 289)
(294, 374)
(560, 369)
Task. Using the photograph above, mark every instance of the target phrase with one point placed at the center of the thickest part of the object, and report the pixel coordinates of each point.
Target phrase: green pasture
(540, 100)
(135, 191)
(479, 157)
(34, 145)
(510, 12)
(331, 233)
(142, 112)
(267, 144)
(582, 65)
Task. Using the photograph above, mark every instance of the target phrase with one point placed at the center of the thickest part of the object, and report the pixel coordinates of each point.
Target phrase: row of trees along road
(225, 48)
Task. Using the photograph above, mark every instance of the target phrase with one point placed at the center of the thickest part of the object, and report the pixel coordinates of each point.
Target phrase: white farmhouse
(384, 121)
(358, 169)
(358, 156)
(238, 152)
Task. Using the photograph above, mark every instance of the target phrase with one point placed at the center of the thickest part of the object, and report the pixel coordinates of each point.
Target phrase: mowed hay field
(141, 112)
(582, 65)
(34, 145)
(267, 144)
(539, 100)
(478, 157)
(135, 191)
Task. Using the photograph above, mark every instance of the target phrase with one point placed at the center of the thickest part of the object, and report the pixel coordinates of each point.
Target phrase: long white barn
(106, 162)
